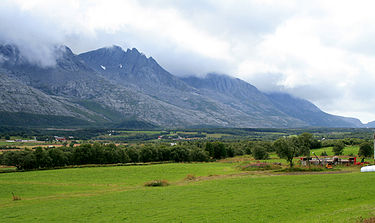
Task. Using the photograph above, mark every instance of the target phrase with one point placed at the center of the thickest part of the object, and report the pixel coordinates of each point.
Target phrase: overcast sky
(323, 51)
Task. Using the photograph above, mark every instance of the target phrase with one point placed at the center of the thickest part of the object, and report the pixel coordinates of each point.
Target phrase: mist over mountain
(108, 86)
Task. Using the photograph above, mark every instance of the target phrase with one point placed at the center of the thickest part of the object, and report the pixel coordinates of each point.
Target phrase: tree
(180, 154)
(42, 157)
(308, 140)
(338, 148)
(366, 149)
(259, 152)
(288, 148)
(83, 154)
(58, 157)
(28, 160)
(146, 154)
(122, 156)
(7, 137)
(133, 154)
(216, 150)
(198, 154)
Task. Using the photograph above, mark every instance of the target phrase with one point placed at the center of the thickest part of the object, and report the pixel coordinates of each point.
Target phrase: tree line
(196, 151)
(97, 153)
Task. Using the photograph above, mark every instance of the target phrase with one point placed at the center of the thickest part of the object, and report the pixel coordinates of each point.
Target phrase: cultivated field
(214, 192)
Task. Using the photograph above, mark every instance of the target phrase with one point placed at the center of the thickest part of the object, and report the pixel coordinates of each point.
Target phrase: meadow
(348, 151)
(214, 192)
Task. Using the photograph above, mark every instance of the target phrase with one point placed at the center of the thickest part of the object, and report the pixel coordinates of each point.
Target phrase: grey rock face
(111, 85)
(309, 113)
(17, 97)
(281, 107)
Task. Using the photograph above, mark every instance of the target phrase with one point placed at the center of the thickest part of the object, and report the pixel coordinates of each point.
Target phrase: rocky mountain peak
(10, 54)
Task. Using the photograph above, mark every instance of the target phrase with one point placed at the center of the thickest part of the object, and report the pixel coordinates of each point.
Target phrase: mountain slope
(80, 85)
(15, 96)
(370, 124)
(113, 87)
(134, 70)
(308, 112)
(249, 99)
(245, 97)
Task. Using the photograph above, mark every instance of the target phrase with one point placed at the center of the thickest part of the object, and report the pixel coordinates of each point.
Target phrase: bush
(157, 183)
(324, 153)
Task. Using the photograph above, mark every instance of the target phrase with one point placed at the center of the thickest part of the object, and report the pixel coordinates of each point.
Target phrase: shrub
(324, 153)
(157, 183)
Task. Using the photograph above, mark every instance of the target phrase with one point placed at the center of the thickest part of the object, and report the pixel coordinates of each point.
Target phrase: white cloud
(319, 50)
(313, 58)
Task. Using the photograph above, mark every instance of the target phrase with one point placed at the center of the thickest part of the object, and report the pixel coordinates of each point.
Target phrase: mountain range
(124, 88)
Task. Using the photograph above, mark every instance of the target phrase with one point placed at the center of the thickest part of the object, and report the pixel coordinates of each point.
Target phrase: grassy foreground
(221, 193)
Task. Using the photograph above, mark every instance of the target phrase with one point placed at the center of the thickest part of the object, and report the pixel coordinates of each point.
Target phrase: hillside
(248, 98)
(309, 113)
(109, 86)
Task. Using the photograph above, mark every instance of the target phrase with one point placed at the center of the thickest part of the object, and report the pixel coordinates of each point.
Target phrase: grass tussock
(367, 220)
(190, 177)
(157, 183)
(303, 169)
(15, 197)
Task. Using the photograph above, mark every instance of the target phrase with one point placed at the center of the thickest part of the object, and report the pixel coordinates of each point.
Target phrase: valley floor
(213, 192)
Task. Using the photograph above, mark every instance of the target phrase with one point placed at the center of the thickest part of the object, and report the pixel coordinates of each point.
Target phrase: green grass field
(221, 194)
(348, 151)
